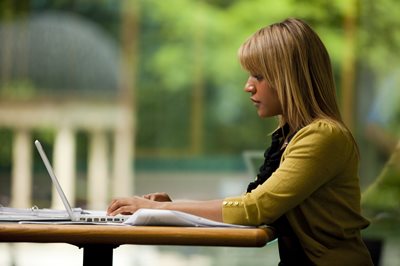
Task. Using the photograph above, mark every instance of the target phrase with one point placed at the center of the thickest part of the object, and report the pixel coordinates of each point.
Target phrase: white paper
(34, 213)
(154, 217)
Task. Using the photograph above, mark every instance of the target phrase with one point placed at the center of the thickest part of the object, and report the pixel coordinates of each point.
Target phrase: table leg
(98, 255)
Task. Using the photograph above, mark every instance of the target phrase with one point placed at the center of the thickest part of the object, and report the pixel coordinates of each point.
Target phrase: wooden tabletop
(81, 235)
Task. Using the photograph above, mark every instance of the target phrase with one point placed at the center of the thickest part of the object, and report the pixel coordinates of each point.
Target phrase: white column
(98, 171)
(122, 171)
(64, 166)
(21, 183)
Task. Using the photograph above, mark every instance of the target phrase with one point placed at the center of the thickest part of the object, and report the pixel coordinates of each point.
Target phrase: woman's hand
(158, 196)
(130, 205)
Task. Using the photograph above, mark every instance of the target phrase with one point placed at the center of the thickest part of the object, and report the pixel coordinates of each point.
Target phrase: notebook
(73, 214)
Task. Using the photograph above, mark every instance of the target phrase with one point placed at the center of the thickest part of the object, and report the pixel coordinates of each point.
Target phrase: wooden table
(98, 241)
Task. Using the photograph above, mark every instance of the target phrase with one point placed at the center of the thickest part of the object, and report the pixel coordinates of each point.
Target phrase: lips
(255, 101)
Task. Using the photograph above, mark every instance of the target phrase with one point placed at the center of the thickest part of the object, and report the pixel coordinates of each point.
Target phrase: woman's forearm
(211, 209)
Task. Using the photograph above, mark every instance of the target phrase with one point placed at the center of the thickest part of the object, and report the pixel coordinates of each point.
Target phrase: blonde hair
(294, 61)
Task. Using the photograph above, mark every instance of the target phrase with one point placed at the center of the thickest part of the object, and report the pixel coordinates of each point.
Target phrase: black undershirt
(290, 250)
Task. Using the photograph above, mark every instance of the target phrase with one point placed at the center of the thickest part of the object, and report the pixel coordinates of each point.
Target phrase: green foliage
(5, 149)
(379, 35)
(188, 44)
(17, 90)
(182, 42)
(384, 194)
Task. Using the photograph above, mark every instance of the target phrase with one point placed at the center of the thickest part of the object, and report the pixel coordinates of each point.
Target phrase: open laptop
(77, 214)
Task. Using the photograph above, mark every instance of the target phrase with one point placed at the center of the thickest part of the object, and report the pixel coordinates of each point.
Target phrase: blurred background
(139, 96)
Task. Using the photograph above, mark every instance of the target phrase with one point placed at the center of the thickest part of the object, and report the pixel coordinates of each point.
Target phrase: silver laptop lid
(54, 179)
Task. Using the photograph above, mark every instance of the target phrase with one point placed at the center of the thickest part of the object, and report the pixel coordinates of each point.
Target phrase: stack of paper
(172, 218)
(33, 214)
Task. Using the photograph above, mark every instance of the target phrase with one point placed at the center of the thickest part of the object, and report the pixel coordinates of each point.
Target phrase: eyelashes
(258, 77)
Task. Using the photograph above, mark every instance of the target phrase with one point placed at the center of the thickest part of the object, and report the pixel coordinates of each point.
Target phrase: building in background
(63, 73)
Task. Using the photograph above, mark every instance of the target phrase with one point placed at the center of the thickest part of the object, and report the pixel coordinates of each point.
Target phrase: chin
(265, 115)
(261, 115)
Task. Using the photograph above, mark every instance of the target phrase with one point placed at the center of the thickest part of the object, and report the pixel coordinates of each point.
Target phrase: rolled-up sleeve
(234, 211)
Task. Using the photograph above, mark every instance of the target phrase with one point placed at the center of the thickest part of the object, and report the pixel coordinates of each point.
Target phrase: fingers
(130, 205)
(153, 197)
(148, 196)
(158, 196)
(122, 206)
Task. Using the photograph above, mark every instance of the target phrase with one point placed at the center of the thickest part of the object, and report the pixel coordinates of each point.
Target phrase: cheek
(274, 107)
(278, 102)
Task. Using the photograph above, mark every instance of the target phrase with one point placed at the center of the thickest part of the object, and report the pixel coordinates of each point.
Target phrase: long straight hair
(294, 61)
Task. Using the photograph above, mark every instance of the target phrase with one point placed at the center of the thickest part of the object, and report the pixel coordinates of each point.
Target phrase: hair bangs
(249, 57)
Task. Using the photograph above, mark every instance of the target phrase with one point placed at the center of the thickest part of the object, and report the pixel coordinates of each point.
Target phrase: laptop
(76, 214)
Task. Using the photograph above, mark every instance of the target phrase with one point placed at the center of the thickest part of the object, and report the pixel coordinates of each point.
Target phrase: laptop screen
(54, 179)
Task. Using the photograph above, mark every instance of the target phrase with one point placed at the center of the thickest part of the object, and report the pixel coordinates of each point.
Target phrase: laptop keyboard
(102, 219)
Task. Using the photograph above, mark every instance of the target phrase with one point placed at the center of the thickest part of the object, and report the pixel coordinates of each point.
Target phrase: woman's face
(264, 97)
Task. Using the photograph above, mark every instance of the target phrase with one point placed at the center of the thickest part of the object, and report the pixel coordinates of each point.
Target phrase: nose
(249, 88)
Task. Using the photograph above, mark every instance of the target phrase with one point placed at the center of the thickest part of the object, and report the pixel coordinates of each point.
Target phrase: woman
(308, 186)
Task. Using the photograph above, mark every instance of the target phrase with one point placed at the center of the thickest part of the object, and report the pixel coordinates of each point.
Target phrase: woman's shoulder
(324, 130)
(327, 126)
(326, 140)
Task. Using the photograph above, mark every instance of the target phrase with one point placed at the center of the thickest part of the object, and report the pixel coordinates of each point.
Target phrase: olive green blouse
(317, 187)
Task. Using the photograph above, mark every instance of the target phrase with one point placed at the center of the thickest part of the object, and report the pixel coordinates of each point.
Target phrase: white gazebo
(82, 81)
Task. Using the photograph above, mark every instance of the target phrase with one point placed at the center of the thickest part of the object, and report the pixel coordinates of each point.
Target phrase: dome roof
(59, 54)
